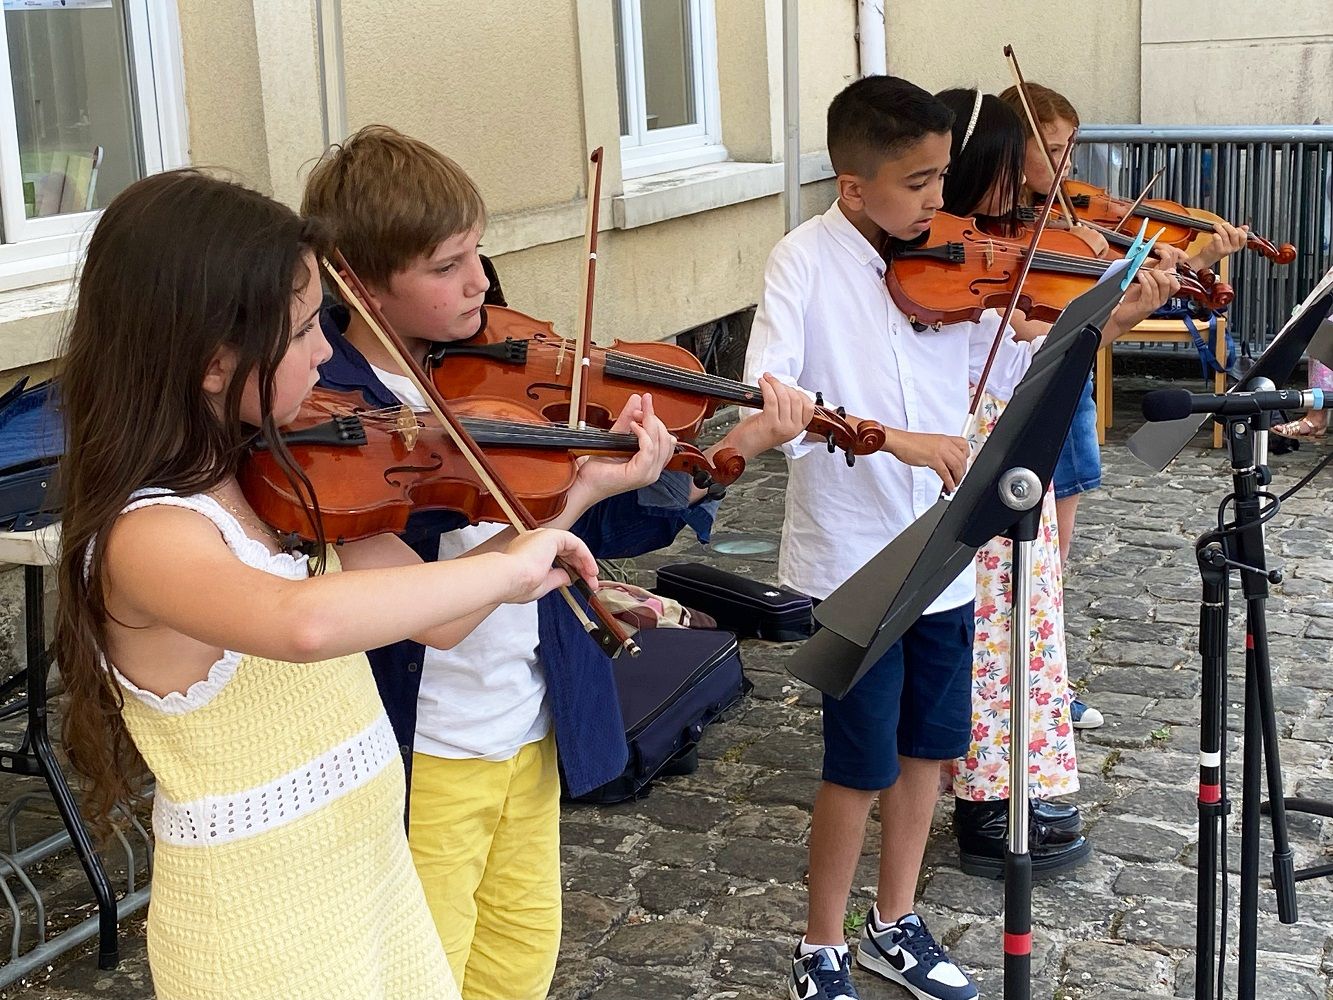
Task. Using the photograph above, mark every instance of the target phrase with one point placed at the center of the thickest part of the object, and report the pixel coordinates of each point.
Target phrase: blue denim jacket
(581, 690)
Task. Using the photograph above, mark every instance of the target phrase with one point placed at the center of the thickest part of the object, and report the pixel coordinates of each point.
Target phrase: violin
(515, 356)
(371, 469)
(955, 272)
(1220, 293)
(1181, 225)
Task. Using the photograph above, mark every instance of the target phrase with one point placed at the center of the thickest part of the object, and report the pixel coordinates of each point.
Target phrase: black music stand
(1000, 495)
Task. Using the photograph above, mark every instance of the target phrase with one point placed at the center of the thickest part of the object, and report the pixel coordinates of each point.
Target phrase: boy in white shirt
(826, 322)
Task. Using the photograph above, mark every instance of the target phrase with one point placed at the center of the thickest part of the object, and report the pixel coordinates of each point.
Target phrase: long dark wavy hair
(180, 265)
(993, 154)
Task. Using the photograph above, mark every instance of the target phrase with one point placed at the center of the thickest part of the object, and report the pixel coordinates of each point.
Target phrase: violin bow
(1040, 227)
(610, 635)
(578, 388)
(1056, 178)
(1129, 212)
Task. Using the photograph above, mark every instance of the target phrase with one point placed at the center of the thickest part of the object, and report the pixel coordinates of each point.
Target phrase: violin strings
(508, 431)
(674, 377)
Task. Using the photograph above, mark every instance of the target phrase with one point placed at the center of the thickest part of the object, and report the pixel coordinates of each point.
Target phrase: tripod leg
(1284, 869)
(1249, 832)
(1212, 742)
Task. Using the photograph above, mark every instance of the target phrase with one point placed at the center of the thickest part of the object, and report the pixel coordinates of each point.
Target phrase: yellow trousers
(485, 836)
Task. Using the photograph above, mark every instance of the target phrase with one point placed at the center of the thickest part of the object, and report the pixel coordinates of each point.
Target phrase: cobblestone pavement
(696, 891)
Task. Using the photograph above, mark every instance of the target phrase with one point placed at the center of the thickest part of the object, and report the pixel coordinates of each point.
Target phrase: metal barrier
(1277, 179)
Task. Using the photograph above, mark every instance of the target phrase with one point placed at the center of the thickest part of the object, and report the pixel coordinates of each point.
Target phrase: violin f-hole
(394, 470)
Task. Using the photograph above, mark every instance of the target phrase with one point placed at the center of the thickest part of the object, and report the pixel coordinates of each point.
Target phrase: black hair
(993, 153)
(877, 117)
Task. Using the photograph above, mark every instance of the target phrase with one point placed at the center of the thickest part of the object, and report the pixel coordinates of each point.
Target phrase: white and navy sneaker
(824, 975)
(1083, 715)
(905, 953)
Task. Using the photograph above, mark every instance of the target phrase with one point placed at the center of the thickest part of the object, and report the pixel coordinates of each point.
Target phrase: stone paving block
(1136, 841)
(1167, 805)
(774, 909)
(1275, 979)
(679, 850)
(950, 890)
(1117, 706)
(756, 961)
(799, 753)
(763, 860)
(1159, 923)
(644, 984)
(1117, 652)
(665, 890)
(979, 946)
(1128, 733)
(1090, 965)
(589, 918)
(781, 823)
(1141, 679)
(1080, 900)
(667, 942)
(785, 790)
(692, 813)
(1157, 765)
(601, 875)
(1168, 881)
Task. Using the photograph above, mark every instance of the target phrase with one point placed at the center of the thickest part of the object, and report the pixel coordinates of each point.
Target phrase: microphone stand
(1239, 546)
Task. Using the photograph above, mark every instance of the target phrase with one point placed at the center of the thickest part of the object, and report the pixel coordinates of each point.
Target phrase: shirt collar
(850, 239)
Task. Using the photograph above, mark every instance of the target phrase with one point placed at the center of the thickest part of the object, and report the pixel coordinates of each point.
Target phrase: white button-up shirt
(827, 324)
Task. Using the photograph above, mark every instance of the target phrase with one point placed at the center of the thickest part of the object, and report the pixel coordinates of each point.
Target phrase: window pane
(668, 63)
(72, 98)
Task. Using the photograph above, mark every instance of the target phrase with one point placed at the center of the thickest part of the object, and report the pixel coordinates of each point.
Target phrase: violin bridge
(990, 254)
(560, 358)
(405, 423)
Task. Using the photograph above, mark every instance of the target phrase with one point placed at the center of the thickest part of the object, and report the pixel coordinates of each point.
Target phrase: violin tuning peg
(703, 480)
(832, 445)
(841, 411)
(851, 458)
(717, 491)
(819, 399)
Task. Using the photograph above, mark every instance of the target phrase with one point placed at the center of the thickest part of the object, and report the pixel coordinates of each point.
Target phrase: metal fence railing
(1277, 179)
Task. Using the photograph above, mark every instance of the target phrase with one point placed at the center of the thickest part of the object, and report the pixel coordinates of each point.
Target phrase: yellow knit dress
(282, 868)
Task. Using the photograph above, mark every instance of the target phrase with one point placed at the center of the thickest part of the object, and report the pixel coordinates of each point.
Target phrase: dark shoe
(982, 829)
(1057, 816)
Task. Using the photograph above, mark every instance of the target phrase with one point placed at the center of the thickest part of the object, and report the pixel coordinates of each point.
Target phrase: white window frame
(644, 151)
(40, 250)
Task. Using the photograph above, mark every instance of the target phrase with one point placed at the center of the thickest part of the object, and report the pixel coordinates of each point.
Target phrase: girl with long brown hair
(195, 648)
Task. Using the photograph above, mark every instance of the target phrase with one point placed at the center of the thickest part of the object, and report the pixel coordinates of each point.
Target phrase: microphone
(1174, 404)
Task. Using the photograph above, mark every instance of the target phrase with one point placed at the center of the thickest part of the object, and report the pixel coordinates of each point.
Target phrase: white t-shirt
(486, 697)
(826, 323)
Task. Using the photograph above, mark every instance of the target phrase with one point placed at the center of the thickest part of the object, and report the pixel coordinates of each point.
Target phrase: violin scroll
(1283, 254)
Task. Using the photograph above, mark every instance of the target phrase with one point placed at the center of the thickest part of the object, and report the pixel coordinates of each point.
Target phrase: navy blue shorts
(1079, 467)
(915, 701)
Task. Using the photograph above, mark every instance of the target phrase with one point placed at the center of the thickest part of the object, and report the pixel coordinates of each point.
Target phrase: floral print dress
(984, 773)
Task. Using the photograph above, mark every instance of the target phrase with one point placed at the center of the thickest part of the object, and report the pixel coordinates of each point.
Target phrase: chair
(1159, 331)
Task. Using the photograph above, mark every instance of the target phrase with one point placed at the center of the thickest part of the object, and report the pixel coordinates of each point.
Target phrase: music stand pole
(1020, 489)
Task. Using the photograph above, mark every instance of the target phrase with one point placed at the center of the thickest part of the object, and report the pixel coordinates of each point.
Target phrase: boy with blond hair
(480, 725)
